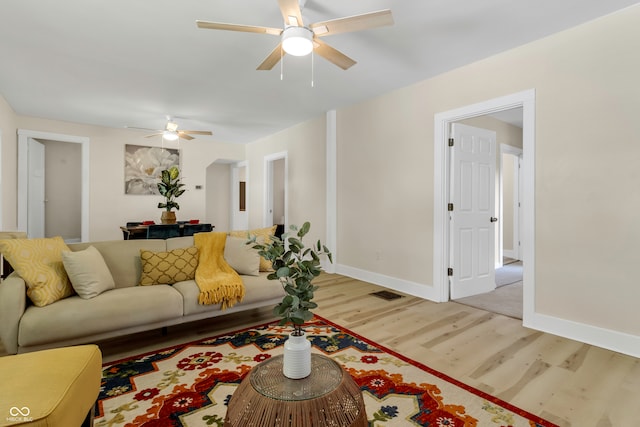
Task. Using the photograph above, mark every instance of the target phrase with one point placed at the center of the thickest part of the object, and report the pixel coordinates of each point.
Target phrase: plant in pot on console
(295, 266)
(170, 188)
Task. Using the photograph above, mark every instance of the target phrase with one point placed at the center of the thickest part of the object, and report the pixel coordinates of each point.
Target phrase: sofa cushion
(87, 272)
(266, 233)
(111, 310)
(179, 242)
(258, 289)
(242, 257)
(39, 263)
(167, 268)
(123, 257)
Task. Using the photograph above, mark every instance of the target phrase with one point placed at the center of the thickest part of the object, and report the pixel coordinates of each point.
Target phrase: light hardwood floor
(564, 381)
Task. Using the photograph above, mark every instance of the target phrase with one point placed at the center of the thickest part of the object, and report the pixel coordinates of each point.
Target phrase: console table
(327, 397)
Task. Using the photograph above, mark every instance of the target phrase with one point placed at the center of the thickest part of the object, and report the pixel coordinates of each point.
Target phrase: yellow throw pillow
(258, 232)
(167, 268)
(39, 263)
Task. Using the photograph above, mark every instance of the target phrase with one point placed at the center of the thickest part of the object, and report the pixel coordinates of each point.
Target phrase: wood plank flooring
(564, 381)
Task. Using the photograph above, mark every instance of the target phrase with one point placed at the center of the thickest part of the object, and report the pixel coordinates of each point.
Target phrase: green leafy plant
(295, 266)
(170, 188)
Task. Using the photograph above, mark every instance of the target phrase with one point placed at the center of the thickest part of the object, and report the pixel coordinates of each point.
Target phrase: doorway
(442, 250)
(276, 191)
(32, 205)
(239, 196)
(505, 297)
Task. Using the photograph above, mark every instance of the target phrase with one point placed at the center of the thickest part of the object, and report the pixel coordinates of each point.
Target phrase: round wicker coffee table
(329, 397)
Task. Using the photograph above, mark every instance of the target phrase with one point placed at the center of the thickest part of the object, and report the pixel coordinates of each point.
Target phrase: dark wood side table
(327, 397)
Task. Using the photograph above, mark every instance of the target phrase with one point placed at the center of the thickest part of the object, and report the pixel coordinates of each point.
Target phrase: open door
(472, 210)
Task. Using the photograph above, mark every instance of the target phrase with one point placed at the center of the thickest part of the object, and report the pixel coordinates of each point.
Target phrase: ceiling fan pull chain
(312, 63)
(281, 65)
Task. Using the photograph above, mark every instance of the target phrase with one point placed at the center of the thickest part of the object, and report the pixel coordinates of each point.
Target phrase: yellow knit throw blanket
(218, 282)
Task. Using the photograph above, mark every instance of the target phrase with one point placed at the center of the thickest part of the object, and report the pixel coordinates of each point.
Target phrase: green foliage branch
(295, 266)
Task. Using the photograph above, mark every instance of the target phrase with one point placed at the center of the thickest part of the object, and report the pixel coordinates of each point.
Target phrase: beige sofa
(127, 309)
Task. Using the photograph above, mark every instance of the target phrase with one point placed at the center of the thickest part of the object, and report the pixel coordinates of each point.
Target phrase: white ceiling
(120, 63)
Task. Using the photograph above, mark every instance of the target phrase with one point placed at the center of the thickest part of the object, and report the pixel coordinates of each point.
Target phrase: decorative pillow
(258, 232)
(88, 272)
(39, 263)
(167, 268)
(241, 257)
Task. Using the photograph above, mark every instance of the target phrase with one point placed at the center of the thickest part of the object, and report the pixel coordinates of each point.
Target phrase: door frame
(23, 173)
(441, 230)
(268, 188)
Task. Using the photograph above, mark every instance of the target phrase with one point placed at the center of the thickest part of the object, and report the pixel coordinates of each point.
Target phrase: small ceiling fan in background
(298, 39)
(172, 133)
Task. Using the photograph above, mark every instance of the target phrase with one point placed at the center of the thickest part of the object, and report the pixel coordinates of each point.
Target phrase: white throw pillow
(87, 271)
(242, 257)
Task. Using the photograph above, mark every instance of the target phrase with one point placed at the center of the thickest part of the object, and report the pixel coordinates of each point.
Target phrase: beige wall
(109, 206)
(587, 102)
(305, 148)
(9, 166)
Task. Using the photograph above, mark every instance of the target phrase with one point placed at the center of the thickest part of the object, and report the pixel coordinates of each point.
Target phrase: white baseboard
(510, 253)
(589, 334)
(400, 285)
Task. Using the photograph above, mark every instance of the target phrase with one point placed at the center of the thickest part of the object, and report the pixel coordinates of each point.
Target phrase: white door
(36, 192)
(473, 168)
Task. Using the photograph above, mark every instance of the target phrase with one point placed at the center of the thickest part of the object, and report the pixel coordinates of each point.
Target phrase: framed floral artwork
(142, 166)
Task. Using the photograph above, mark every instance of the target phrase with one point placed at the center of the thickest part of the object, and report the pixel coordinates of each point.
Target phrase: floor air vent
(386, 295)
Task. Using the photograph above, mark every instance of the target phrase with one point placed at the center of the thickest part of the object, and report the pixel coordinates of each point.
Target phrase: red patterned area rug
(190, 384)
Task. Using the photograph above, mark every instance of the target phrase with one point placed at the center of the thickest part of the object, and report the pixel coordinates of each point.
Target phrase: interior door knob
(493, 219)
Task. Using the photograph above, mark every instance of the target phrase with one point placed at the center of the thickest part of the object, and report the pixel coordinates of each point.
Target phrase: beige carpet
(505, 300)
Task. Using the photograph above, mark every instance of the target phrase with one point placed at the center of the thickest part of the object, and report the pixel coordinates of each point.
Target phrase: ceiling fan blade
(235, 27)
(183, 135)
(333, 55)
(271, 60)
(147, 129)
(353, 23)
(291, 12)
(196, 132)
(152, 135)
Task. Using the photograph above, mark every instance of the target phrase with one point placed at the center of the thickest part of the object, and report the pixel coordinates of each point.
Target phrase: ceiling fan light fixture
(170, 135)
(297, 41)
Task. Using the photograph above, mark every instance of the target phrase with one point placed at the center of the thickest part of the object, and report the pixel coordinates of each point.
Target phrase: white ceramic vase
(297, 357)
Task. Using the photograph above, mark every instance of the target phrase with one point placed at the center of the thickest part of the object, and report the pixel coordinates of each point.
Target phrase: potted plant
(170, 188)
(295, 266)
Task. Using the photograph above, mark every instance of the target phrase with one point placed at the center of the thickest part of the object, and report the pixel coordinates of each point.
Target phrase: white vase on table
(297, 357)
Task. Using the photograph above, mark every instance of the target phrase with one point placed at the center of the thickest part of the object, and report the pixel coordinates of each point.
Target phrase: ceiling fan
(172, 133)
(299, 39)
